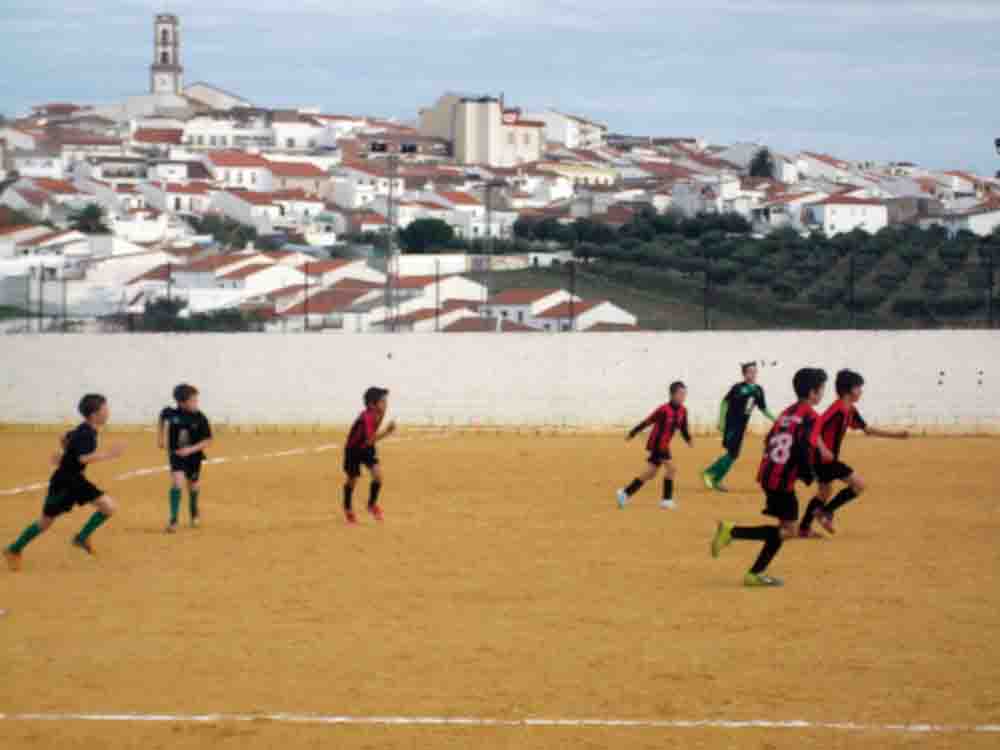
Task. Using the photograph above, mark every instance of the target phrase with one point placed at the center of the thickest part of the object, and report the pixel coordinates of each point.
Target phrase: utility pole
(850, 297)
(41, 295)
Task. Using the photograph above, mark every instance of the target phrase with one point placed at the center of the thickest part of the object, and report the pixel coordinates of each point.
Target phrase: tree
(424, 234)
(89, 220)
(226, 232)
(762, 163)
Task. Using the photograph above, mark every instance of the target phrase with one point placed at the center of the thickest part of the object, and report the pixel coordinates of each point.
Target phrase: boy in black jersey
(185, 432)
(68, 486)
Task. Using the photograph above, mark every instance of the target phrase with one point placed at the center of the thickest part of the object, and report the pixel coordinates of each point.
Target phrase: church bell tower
(165, 73)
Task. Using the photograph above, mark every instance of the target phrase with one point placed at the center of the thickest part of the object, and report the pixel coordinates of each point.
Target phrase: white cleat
(622, 498)
(668, 504)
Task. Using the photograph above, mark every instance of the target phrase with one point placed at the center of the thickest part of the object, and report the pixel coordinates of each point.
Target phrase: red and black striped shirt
(835, 422)
(362, 434)
(788, 448)
(666, 420)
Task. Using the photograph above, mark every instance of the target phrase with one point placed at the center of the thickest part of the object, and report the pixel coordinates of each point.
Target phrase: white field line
(467, 721)
(148, 471)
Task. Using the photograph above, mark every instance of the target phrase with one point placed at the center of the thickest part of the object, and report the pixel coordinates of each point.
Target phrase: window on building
(527, 139)
(165, 36)
(289, 143)
(510, 139)
(177, 203)
(164, 58)
(520, 316)
(503, 314)
(211, 140)
(239, 177)
(312, 143)
(253, 177)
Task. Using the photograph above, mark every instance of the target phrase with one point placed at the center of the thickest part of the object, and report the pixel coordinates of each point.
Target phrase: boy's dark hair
(374, 394)
(746, 366)
(676, 386)
(807, 380)
(91, 404)
(184, 392)
(847, 381)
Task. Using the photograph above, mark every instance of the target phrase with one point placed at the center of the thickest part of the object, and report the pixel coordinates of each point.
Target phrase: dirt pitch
(504, 584)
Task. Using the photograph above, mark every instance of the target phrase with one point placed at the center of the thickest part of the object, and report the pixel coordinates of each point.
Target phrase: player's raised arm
(389, 429)
(892, 434)
(639, 427)
(108, 454)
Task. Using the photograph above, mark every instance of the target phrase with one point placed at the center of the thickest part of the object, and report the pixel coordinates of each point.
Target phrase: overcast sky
(881, 79)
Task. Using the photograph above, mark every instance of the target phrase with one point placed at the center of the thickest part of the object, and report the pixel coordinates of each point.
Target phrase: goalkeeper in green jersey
(734, 416)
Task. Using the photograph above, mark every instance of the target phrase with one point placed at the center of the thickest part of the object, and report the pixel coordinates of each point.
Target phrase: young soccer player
(360, 451)
(185, 432)
(68, 486)
(787, 459)
(666, 420)
(841, 416)
(734, 416)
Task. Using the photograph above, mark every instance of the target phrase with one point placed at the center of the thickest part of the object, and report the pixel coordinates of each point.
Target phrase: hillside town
(316, 188)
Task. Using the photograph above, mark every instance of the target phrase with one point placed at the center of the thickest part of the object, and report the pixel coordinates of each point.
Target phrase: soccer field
(505, 585)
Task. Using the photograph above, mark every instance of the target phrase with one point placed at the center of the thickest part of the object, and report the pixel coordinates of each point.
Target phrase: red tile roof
(48, 237)
(318, 267)
(459, 199)
(826, 159)
(520, 296)
(158, 135)
(18, 228)
(189, 188)
(34, 197)
(325, 302)
(214, 262)
(846, 200)
(61, 187)
(237, 159)
(246, 271)
(563, 310)
(159, 273)
(295, 169)
(369, 217)
(287, 291)
(670, 171)
(296, 194)
(249, 196)
(357, 284)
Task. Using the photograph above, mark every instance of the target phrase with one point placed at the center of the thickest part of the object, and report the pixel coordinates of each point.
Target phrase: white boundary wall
(937, 380)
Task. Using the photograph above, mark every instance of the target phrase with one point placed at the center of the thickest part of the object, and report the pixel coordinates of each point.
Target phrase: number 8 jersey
(788, 449)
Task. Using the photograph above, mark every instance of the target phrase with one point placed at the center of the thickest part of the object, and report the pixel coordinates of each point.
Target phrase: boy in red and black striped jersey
(842, 416)
(670, 418)
(787, 459)
(359, 450)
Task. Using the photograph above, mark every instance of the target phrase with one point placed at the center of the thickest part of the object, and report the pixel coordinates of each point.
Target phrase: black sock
(668, 489)
(770, 535)
(843, 498)
(633, 487)
(373, 493)
(348, 493)
(815, 505)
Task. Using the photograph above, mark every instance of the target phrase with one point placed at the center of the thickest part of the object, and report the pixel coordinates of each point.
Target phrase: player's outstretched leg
(814, 507)
(770, 535)
(13, 553)
(714, 474)
(373, 492)
(105, 509)
(625, 494)
(348, 497)
(855, 487)
(668, 502)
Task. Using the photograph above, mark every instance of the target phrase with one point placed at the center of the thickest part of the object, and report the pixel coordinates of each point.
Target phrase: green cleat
(709, 481)
(723, 536)
(756, 580)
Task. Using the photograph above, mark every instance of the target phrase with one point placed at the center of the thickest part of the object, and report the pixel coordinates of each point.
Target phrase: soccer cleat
(826, 521)
(720, 487)
(756, 580)
(809, 534)
(171, 527)
(376, 512)
(85, 545)
(668, 504)
(709, 481)
(195, 522)
(13, 559)
(622, 498)
(723, 536)
(350, 517)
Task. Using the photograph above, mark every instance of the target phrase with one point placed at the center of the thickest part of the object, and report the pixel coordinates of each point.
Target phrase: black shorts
(827, 473)
(732, 441)
(657, 457)
(782, 505)
(190, 465)
(355, 458)
(64, 493)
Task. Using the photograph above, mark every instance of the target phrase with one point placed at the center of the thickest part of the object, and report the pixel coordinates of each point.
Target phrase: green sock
(714, 469)
(25, 539)
(194, 503)
(175, 503)
(93, 523)
(725, 464)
